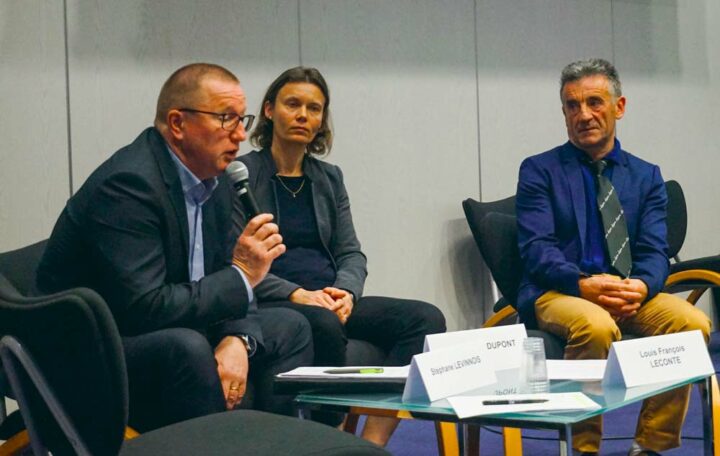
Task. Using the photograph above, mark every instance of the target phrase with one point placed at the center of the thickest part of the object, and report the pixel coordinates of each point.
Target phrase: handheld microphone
(238, 174)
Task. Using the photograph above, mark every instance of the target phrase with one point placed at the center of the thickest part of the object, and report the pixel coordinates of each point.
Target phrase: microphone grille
(237, 172)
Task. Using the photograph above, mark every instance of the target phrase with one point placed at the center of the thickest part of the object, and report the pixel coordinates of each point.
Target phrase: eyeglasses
(228, 120)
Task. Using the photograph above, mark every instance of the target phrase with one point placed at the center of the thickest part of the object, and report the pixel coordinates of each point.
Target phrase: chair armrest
(697, 280)
(501, 316)
(704, 275)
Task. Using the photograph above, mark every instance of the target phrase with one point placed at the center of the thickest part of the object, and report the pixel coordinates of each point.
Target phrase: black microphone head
(237, 172)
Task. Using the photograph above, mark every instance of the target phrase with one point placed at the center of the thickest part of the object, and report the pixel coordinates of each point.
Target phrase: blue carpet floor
(417, 438)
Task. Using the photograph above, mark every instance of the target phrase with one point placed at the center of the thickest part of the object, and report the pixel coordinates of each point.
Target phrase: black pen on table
(514, 401)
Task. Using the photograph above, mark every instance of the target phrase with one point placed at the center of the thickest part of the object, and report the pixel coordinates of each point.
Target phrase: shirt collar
(193, 188)
(613, 157)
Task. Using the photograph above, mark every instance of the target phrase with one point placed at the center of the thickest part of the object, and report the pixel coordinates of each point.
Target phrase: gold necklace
(293, 193)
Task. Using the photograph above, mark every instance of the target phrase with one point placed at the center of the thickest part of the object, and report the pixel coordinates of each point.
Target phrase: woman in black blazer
(323, 271)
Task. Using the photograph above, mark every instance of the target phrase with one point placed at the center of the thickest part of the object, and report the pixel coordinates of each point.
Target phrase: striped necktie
(616, 233)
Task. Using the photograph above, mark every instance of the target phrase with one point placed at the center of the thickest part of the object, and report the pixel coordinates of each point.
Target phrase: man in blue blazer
(577, 284)
(148, 231)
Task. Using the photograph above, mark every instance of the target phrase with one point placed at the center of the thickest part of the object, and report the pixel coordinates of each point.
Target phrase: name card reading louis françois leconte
(446, 372)
(657, 359)
(503, 343)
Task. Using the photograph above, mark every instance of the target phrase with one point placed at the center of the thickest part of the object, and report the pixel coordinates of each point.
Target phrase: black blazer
(332, 215)
(125, 235)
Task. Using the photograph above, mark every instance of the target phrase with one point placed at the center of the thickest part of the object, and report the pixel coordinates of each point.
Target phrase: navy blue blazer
(551, 213)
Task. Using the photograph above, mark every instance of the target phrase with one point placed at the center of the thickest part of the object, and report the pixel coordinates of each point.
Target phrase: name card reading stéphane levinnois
(445, 372)
(461, 361)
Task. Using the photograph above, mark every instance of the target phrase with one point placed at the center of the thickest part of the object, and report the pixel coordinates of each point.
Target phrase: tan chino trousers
(589, 330)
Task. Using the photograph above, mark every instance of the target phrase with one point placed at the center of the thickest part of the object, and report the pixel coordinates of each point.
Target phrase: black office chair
(19, 267)
(698, 274)
(74, 397)
(496, 236)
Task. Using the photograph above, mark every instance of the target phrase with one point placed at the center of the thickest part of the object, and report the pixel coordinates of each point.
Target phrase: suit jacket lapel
(620, 175)
(217, 227)
(319, 186)
(265, 184)
(571, 167)
(172, 181)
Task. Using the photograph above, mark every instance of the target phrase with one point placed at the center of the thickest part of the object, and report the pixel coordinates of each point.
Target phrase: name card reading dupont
(446, 372)
(503, 343)
(657, 359)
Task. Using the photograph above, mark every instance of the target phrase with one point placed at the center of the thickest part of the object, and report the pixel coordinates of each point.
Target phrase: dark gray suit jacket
(332, 213)
(125, 235)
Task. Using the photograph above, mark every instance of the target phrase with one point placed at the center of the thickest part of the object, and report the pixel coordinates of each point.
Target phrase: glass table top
(608, 397)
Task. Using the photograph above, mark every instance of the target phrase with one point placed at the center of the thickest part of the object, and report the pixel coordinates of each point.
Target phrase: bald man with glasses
(148, 231)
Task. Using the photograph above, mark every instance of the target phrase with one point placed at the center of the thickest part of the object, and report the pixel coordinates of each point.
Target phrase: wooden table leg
(512, 440)
(447, 438)
(715, 413)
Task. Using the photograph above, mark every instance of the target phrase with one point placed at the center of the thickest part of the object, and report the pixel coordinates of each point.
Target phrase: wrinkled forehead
(597, 84)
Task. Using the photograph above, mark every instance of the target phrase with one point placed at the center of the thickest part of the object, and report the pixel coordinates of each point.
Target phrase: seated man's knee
(677, 315)
(189, 347)
(599, 331)
(292, 325)
(187, 362)
(697, 319)
(298, 325)
(287, 336)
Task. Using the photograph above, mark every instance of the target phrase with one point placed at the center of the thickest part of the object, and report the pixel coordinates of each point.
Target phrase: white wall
(404, 105)
(433, 102)
(34, 180)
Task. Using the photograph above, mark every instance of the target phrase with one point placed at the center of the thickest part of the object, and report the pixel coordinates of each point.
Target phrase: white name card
(503, 343)
(657, 359)
(447, 372)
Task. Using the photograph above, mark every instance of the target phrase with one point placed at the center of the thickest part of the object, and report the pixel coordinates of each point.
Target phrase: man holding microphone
(148, 232)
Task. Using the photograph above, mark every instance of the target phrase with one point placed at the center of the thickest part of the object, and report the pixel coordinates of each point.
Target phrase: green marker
(352, 370)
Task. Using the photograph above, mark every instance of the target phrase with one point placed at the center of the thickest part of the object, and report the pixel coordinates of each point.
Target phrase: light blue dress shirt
(196, 193)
